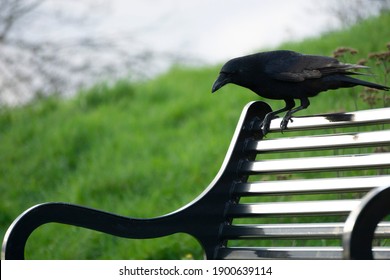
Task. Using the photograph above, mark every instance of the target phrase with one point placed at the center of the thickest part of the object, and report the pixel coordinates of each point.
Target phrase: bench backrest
(293, 191)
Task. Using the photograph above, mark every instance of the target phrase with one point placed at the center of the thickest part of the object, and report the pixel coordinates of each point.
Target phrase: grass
(139, 150)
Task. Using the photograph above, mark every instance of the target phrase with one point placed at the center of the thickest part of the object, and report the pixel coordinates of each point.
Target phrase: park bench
(319, 190)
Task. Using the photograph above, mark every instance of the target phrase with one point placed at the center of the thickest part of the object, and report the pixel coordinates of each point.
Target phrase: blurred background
(58, 46)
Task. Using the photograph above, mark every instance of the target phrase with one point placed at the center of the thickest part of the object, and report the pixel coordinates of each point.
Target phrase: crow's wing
(294, 67)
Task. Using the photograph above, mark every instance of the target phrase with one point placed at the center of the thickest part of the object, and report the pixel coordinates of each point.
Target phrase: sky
(210, 30)
(218, 29)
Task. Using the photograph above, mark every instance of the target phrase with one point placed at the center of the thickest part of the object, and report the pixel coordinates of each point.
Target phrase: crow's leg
(270, 116)
(304, 104)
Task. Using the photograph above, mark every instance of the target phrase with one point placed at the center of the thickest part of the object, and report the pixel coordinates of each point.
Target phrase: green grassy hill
(139, 150)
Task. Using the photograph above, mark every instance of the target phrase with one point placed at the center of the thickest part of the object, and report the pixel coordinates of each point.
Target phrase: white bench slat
(312, 186)
(319, 142)
(323, 207)
(252, 253)
(293, 231)
(363, 117)
(310, 164)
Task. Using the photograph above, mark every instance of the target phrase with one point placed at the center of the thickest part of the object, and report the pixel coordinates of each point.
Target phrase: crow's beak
(222, 80)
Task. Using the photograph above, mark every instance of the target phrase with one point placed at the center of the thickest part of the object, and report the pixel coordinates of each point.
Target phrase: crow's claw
(265, 124)
(265, 128)
(284, 123)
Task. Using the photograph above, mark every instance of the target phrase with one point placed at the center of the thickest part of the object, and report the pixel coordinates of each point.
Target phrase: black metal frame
(202, 218)
(361, 224)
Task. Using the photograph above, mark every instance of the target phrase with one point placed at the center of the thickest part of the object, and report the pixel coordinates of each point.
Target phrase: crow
(288, 75)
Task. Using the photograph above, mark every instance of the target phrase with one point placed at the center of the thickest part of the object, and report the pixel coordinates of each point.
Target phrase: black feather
(289, 75)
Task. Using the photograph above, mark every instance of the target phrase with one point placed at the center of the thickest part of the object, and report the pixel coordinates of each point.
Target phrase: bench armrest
(54, 212)
(361, 224)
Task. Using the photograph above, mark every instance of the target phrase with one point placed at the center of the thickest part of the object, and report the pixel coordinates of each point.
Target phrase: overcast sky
(212, 30)
(218, 29)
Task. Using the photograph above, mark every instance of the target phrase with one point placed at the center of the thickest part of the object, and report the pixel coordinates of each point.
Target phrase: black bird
(288, 75)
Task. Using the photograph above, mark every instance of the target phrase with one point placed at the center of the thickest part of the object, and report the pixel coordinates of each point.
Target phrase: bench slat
(232, 253)
(235, 253)
(363, 139)
(294, 231)
(324, 207)
(312, 186)
(283, 231)
(365, 117)
(311, 164)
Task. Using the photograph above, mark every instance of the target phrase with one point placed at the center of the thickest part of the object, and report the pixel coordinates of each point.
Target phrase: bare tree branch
(349, 12)
(31, 66)
(13, 10)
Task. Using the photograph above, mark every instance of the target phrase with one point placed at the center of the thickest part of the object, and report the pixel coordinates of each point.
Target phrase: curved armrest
(17, 234)
(361, 224)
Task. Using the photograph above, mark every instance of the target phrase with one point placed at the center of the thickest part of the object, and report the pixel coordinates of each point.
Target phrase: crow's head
(230, 73)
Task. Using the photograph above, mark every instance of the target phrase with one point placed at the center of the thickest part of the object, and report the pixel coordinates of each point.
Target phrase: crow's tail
(354, 82)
